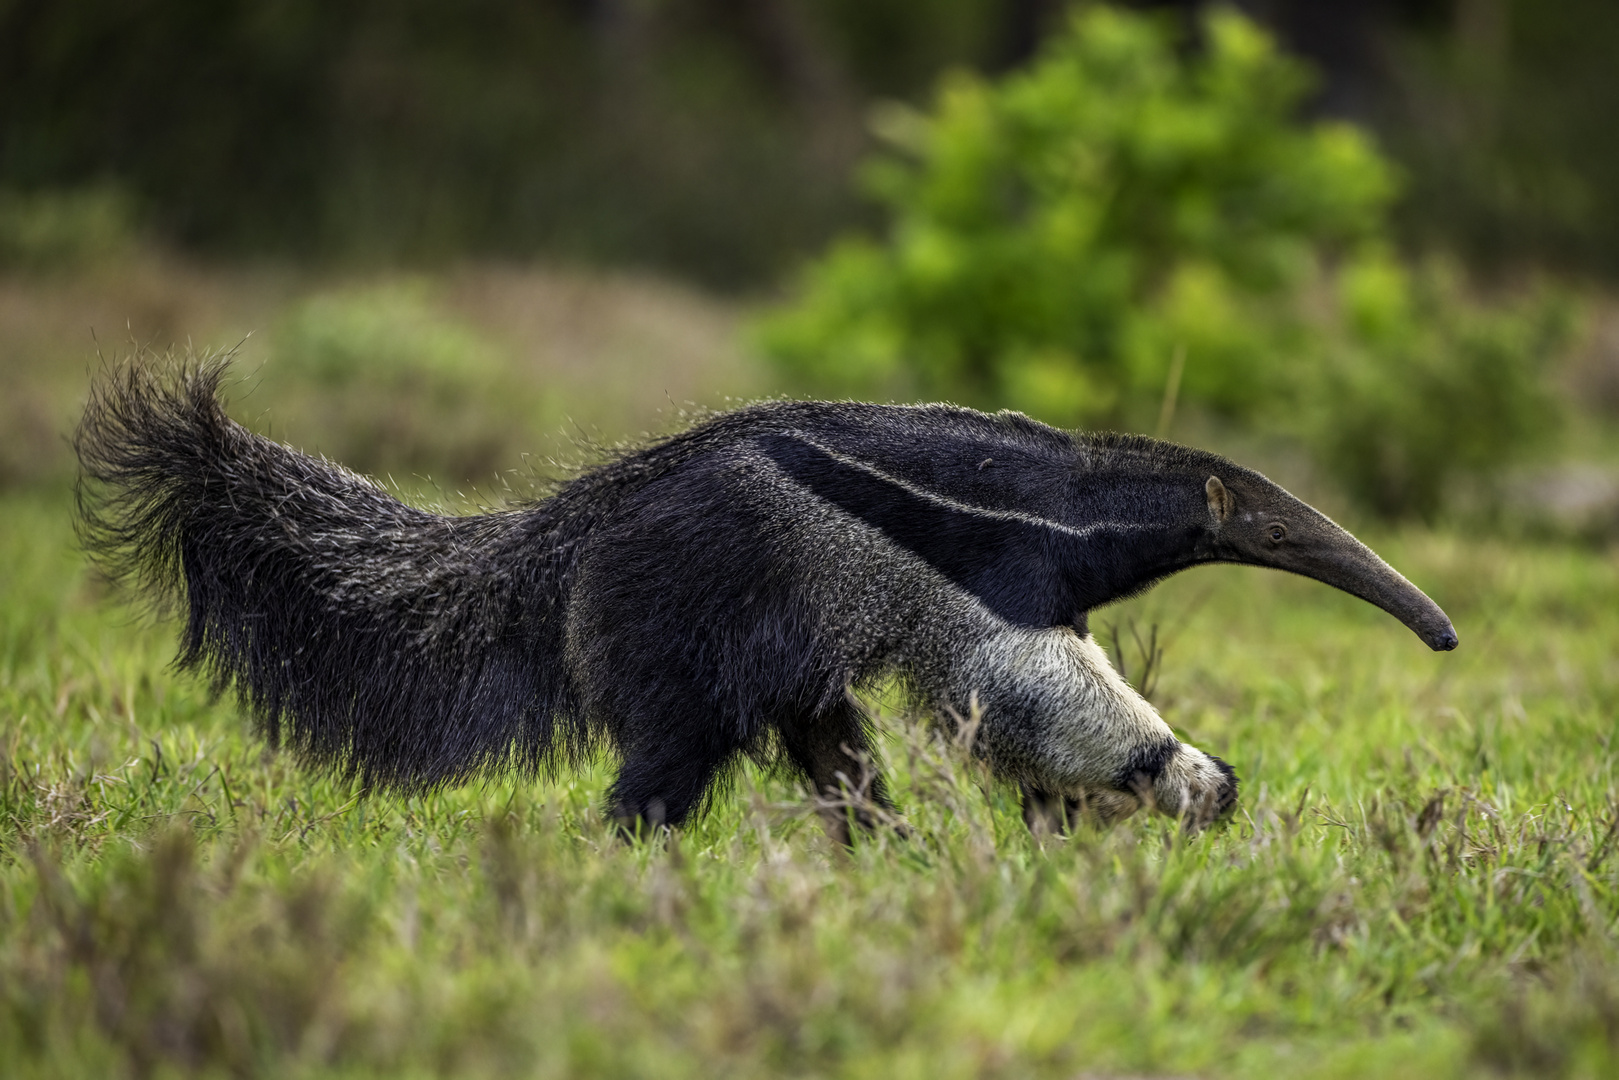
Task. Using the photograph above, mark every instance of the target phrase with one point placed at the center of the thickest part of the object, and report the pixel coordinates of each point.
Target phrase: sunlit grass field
(1422, 878)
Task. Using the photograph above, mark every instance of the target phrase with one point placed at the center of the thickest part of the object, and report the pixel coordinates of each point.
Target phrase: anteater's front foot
(1179, 781)
(1195, 787)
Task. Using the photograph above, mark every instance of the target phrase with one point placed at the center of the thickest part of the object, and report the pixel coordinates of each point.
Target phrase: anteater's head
(1253, 521)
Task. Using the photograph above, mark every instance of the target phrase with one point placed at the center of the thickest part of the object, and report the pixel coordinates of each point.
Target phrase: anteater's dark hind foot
(833, 755)
(662, 786)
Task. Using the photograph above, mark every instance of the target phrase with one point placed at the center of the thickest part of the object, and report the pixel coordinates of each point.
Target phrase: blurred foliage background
(1367, 244)
(713, 137)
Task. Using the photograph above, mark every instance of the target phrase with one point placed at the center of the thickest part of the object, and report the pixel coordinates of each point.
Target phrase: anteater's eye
(1277, 532)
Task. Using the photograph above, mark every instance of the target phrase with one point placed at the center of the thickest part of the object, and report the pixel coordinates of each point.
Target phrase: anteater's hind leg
(832, 751)
(665, 778)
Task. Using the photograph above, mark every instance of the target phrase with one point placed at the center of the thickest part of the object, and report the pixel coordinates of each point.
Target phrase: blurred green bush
(48, 230)
(1056, 239)
(1421, 387)
(379, 378)
(711, 137)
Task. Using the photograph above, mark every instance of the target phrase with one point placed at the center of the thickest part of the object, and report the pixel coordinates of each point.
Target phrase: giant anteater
(714, 593)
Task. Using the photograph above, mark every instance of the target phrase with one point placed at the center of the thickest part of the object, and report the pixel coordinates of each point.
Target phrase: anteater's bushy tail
(404, 648)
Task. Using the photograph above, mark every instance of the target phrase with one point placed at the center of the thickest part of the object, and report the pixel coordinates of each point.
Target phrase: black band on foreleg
(1145, 764)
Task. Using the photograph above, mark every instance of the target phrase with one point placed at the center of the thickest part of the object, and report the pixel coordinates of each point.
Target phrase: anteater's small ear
(1221, 501)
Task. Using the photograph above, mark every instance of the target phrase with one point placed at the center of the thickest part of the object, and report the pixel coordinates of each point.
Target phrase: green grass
(1422, 880)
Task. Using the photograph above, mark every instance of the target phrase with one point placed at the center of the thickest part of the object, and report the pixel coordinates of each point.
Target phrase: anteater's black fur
(660, 605)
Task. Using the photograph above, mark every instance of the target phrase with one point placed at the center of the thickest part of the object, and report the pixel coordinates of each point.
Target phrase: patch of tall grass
(1422, 879)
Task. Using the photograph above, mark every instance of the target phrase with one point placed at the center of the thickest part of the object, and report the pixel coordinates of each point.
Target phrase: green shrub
(1055, 235)
(1420, 386)
(1057, 238)
(50, 229)
(381, 381)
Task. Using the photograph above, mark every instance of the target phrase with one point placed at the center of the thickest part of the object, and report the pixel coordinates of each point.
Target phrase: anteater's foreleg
(1061, 721)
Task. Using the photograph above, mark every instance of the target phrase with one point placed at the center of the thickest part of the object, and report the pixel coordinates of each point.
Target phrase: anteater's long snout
(1345, 563)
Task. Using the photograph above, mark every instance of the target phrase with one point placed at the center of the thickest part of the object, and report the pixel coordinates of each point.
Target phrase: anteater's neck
(1135, 520)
